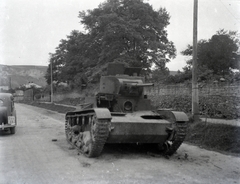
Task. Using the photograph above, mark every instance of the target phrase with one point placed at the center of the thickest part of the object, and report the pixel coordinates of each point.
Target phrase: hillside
(20, 75)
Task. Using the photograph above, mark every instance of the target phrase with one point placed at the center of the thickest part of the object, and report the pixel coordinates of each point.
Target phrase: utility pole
(10, 83)
(51, 82)
(195, 99)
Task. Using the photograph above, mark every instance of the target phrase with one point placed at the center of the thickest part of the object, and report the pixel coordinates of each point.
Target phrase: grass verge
(52, 107)
(216, 137)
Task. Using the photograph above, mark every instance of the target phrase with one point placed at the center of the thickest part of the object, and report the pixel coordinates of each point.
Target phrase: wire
(237, 19)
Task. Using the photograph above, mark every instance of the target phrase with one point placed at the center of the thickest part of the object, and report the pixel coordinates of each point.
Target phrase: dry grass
(53, 107)
(217, 137)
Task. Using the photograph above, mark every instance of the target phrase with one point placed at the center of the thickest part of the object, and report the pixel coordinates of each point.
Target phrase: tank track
(179, 136)
(100, 137)
(98, 134)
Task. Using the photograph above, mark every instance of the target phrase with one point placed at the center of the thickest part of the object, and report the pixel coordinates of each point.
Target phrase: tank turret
(122, 90)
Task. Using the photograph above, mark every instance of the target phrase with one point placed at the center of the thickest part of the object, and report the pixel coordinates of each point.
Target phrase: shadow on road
(5, 132)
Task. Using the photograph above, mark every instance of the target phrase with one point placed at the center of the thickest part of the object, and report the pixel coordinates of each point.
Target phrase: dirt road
(39, 153)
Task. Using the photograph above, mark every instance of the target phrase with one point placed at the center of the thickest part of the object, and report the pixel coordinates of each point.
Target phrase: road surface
(39, 154)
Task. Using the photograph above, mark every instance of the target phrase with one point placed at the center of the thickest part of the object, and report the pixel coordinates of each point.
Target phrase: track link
(99, 138)
(180, 134)
(90, 142)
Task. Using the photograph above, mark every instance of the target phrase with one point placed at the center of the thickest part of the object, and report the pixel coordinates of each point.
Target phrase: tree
(122, 30)
(130, 30)
(160, 75)
(218, 55)
(68, 59)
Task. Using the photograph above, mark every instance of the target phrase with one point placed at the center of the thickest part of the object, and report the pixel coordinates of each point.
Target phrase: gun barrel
(143, 84)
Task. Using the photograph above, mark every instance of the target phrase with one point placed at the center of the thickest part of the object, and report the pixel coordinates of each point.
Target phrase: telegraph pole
(195, 99)
(51, 82)
(10, 83)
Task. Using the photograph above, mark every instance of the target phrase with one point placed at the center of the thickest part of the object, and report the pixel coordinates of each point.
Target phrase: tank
(122, 113)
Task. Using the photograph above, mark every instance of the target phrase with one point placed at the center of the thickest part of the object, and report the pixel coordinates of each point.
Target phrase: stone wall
(58, 97)
(208, 90)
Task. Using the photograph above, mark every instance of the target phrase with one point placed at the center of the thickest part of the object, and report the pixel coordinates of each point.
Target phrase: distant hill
(21, 74)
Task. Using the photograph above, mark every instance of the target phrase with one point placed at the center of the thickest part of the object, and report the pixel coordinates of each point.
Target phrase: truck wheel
(12, 130)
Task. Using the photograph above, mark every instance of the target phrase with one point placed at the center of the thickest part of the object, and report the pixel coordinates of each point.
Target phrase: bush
(38, 96)
(218, 137)
(212, 106)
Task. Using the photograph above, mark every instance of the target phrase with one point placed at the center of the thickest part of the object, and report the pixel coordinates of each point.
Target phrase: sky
(31, 29)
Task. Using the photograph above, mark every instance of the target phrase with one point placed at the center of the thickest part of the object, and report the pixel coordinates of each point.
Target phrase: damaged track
(89, 142)
(180, 134)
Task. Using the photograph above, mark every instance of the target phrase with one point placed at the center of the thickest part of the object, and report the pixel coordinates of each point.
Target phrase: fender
(3, 115)
(101, 113)
(173, 116)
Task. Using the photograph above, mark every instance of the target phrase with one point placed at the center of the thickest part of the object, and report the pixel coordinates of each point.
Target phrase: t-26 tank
(121, 113)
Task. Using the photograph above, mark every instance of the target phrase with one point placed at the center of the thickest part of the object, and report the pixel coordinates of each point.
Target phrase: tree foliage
(216, 58)
(218, 55)
(68, 59)
(160, 75)
(124, 30)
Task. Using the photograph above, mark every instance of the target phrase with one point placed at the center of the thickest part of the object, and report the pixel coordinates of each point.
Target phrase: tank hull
(89, 129)
(138, 127)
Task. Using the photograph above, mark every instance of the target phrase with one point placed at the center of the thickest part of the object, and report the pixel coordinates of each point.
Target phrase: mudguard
(101, 113)
(173, 116)
(3, 114)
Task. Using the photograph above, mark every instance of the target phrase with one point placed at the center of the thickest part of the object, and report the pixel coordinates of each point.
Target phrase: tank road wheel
(179, 134)
(95, 139)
